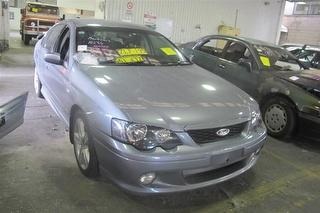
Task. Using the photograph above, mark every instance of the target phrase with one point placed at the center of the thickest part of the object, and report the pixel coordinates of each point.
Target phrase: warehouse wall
(191, 19)
(15, 22)
(302, 29)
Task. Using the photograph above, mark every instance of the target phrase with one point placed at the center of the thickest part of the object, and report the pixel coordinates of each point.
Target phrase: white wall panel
(77, 4)
(257, 18)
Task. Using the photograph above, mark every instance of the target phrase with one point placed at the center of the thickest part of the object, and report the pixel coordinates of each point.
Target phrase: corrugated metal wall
(257, 18)
(186, 14)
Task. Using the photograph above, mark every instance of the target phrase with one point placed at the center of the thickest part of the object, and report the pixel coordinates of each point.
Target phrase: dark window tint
(63, 46)
(51, 37)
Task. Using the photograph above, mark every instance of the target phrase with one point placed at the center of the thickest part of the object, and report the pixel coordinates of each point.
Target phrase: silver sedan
(140, 112)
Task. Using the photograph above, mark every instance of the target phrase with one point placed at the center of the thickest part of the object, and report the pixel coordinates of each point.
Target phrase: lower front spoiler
(175, 176)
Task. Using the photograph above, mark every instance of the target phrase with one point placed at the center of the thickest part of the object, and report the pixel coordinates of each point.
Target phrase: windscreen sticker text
(131, 51)
(265, 61)
(129, 59)
(168, 51)
(82, 48)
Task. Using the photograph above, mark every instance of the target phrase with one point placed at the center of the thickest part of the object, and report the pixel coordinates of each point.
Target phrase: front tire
(27, 39)
(83, 146)
(37, 85)
(279, 117)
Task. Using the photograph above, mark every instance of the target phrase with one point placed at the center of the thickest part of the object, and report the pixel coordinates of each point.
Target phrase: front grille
(46, 23)
(210, 135)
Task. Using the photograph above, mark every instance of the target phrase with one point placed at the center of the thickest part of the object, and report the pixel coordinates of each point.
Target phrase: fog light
(147, 178)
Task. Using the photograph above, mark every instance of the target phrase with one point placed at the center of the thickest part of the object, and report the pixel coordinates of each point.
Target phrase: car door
(240, 67)
(11, 114)
(59, 74)
(44, 69)
(208, 54)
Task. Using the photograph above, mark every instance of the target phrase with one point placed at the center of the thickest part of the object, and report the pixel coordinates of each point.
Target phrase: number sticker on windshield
(168, 51)
(82, 48)
(265, 61)
(129, 59)
(131, 51)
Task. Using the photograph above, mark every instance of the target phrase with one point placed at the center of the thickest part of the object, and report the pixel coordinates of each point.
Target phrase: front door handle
(222, 66)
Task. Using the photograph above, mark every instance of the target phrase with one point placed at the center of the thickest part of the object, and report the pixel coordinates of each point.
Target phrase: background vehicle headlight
(143, 137)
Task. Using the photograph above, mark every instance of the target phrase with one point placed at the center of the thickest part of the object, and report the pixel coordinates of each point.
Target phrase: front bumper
(184, 168)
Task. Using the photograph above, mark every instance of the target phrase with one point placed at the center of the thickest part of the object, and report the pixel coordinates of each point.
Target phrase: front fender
(301, 98)
(99, 109)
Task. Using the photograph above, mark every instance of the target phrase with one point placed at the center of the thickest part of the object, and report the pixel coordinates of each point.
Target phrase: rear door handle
(222, 66)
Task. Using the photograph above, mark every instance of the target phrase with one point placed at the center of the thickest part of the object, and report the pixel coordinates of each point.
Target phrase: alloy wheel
(81, 144)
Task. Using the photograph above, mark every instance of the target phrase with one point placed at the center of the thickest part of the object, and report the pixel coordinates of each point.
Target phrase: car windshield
(278, 59)
(120, 46)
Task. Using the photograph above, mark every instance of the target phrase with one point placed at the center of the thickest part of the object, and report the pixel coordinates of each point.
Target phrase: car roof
(246, 40)
(104, 23)
(308, 46)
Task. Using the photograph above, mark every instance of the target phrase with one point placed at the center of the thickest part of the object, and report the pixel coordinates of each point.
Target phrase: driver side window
(63, 46)
(51, 37)
(213, 47)
(237, 51)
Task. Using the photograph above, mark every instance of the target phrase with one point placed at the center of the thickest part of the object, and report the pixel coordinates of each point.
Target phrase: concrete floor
(38, 172)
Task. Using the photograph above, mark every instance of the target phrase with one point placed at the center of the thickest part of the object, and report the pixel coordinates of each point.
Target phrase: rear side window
(52, 36)
(213, 47)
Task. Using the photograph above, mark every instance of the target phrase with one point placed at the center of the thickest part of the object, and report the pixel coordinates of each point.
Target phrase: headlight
(33, 24)
(256, 119)
(143, 137)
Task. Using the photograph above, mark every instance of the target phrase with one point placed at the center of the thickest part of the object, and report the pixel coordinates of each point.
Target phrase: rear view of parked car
(140, 113)
(286, 90)
(307, 54)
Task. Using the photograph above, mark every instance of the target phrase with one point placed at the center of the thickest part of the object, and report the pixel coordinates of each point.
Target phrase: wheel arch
(268, 96)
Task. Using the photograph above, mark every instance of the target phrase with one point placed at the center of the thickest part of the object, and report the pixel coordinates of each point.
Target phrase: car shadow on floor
(307, 142)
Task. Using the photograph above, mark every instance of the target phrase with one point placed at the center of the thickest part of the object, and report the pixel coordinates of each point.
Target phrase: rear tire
(279, 117)
(83, 146)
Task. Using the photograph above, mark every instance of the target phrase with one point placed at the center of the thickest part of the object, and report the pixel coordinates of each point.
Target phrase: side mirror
(53, 58)
(40, 36)
(245, 63)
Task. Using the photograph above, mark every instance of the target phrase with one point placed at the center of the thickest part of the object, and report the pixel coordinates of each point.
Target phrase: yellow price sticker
(265, 61)
(129, 59)
(168, 51)
(131, 51)
(35, 10)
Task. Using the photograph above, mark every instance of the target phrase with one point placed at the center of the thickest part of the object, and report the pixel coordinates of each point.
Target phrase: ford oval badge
(223, 132)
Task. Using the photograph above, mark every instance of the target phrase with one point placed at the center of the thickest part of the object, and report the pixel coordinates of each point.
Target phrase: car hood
(174, 97)
(306, 78)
